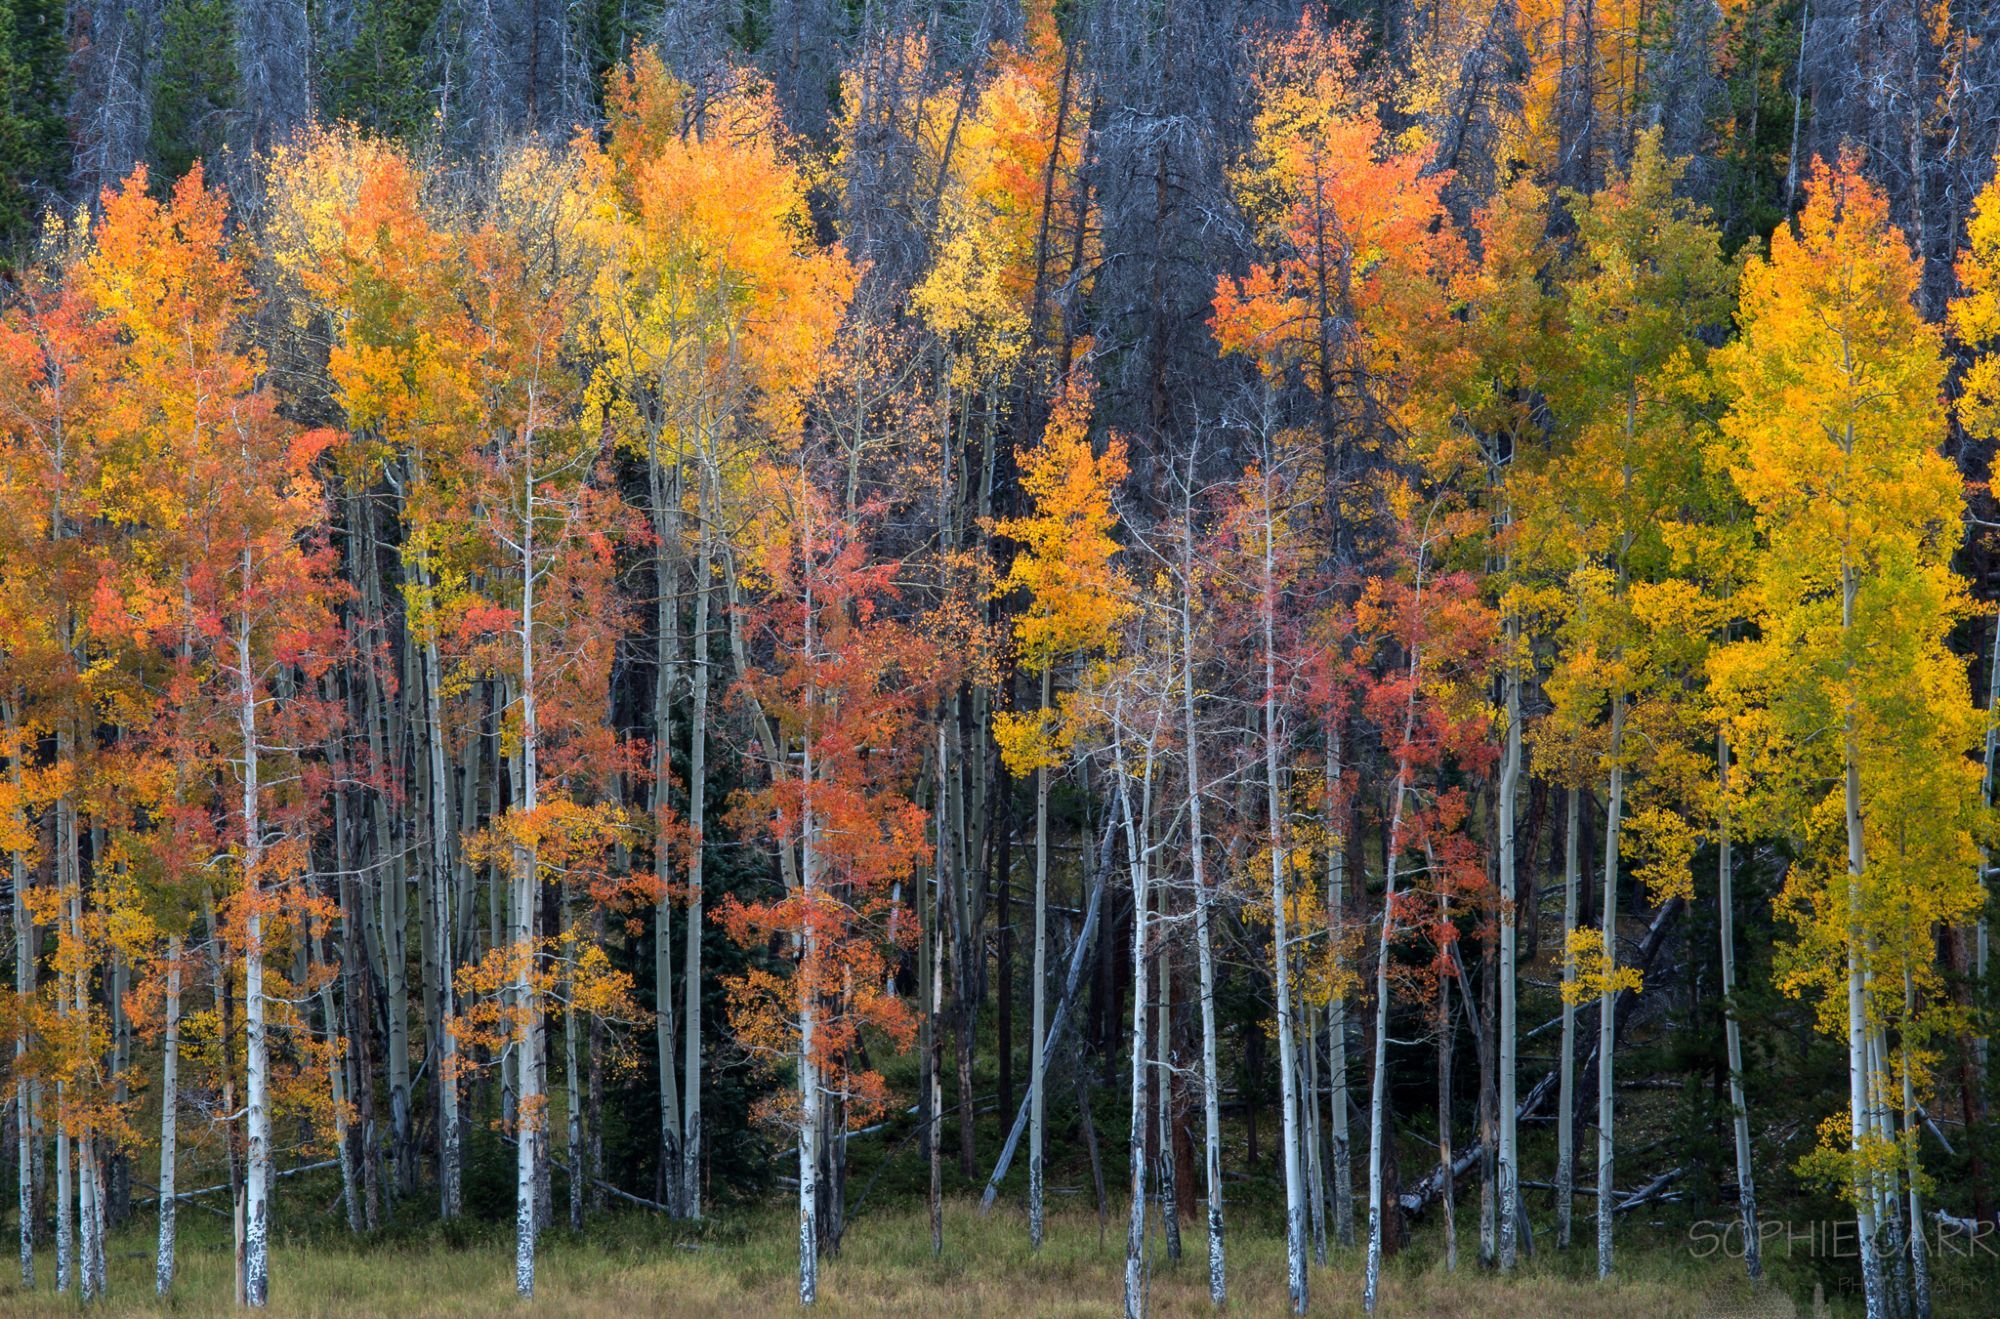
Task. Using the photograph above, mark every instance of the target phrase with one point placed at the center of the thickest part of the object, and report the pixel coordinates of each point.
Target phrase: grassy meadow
(745, 1264)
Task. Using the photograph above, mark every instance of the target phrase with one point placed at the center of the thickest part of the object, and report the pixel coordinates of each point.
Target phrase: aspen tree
(1832, 430)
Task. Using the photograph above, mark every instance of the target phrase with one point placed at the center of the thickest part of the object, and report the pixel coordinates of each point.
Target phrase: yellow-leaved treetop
(1073, 609)
(1847, 694)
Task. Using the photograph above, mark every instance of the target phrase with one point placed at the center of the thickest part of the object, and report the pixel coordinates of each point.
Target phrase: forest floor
(746, 1264)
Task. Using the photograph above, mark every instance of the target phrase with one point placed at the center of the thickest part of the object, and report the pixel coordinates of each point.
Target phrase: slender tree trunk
(1508, 1169)
(443, 877)
(1336, 1008)
(257, 1113)
(25, 1144)
(1163, 1092)
(810, 1100)
(666, 569)
(1746, 1188)
(1982, 935)
(1204, 939)
(697, 790)
(1380, 1158)
(1135, 1233)
(1920, 1282)
(1607, 1038)
(170, 1081)
(1873, 1291)
(1038, 1031)
(531, 1117)
(1566, 1086)
(1378, 1100)
(1295, 1190)
(1448, 1200)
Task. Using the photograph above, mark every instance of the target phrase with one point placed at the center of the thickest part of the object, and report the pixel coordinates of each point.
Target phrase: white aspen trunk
(1746, 1188)
(24, 986)
(1135, 1231)
(527, 1043)
(1508, 1164)
(390, 927)
(257, 1112)
(1889, 1183)
(932, 936)
(88, 1271)
(1982, 935)
(1447, 1190)
(810, 1100)
(442, 912)
(1378, 1093)
(691, 1151)
(350, 1189)
(1038, 1029)
(1336, 1012)
(170, 1082)
(68, 880)
(1378, 1083)
(1295, 1190)
(1170, 1217)
(1920, 1283)
(1607, 1026)
(572, 1099)
(667, 619)
(1566, 1087)
(1309, 1092)
(1211, 1088)
(1873, 1291)
(65, 1197)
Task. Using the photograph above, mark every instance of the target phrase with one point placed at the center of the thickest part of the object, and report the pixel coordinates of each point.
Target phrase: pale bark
(24, 986)
(1295, 1190)
(257, 1112)
(1508, 1169)
(527, 1032)
(697, 790)
(1135, 1232)
(1038, 1031)
(1378, 1100)
(1873, 1290)
(666, 571)
(1746, 1188)
(1336, 1009)
(440, 831)
(1211, 1088)
(810, 1101)
(1607, 1001)
(170, 1059)
(1920, 1284)
(1566, 1093)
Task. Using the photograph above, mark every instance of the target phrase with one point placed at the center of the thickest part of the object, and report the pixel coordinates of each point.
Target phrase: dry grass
(743, 1267)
